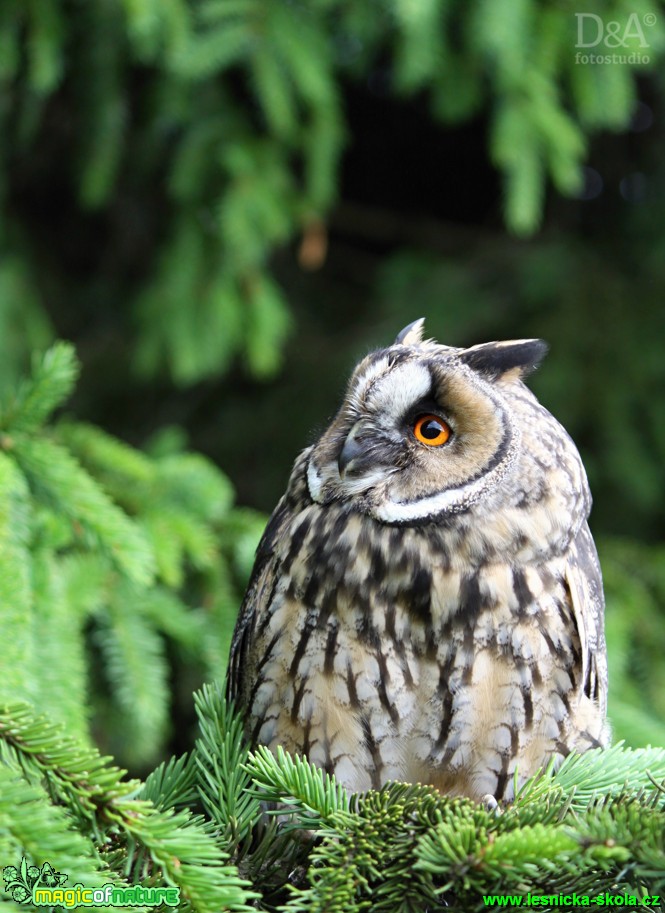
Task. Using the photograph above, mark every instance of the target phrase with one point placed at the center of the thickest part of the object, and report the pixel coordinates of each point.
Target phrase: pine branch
(31, 824)
(410, 848)
(82, 546)
(136, 668)
(104, 455)
(405, 847)
(612, 772)
(266, 853)
(172, 784)
(53, 377)
(15, 583)
(183, 848)
(58, 659)
(58, 481)
(178, 845)
(599, 773)
(301, 789)
(78, 775)
(220, 756)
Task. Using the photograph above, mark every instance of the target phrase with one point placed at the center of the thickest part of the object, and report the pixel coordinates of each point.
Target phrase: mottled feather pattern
(463, 639)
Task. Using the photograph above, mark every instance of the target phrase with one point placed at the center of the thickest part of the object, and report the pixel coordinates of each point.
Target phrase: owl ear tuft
(412, 334)
(495, 360)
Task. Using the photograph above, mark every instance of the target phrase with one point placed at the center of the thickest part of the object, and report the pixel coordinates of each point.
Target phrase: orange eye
(431, 430)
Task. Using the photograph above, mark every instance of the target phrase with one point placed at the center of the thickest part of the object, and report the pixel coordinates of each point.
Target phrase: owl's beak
(367, 454)
(350, 459)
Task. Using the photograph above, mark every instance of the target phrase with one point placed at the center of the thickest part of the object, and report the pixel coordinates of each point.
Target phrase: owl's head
(426, 430)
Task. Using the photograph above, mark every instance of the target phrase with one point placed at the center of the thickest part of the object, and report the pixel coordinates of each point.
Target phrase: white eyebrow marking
(398, 390)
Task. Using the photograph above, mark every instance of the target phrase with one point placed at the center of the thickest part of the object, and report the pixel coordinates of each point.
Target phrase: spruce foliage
(594, 827)
(111, 560)
(210, 133)
(64, 803)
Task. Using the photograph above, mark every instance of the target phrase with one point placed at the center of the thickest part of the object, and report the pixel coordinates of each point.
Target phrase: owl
(426, 603)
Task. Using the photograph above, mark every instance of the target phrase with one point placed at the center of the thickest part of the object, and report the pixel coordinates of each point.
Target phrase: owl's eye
(431, 430)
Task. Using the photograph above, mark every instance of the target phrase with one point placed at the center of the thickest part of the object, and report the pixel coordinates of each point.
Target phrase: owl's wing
(257, 597)
(586, 590)
(264, 579)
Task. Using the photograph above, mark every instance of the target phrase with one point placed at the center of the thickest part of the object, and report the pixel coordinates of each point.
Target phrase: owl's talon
(490, 803)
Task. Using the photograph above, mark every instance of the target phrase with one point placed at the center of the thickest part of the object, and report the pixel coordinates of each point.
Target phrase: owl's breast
(382, 658)
(504, 685)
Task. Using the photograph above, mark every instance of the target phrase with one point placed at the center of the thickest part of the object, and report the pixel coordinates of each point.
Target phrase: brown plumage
(426, 603)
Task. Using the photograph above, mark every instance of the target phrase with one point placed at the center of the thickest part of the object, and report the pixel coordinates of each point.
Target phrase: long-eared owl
(426, 603)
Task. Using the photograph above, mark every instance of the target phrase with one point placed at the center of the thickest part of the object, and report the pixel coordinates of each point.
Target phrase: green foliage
(128, 562)
(594, 826)
(61, 802)
(219, 759)
(210, 133)
(111, 559)
(315, 797)
(597, 822)
(634, 578)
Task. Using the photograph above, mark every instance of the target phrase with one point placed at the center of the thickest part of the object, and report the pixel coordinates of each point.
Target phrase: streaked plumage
(429, 613)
